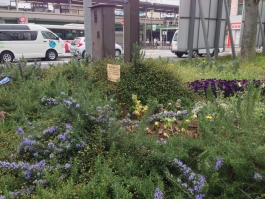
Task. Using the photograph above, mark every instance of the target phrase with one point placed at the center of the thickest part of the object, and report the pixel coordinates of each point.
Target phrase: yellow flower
(152, 56)
(216, 116)
(166, 135)
(136, 112)
(145, 108)
(156, 123)
(209, 117)
(134, 97)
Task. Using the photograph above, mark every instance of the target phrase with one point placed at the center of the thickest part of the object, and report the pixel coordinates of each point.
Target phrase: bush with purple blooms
(81, 141)
(227, 88)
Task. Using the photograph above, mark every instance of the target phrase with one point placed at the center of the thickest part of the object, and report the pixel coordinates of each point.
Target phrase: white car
(78, 47)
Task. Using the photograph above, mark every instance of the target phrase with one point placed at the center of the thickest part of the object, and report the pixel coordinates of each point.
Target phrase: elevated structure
(157, 7)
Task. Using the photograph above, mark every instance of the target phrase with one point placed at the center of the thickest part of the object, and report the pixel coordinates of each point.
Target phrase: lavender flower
(257, 176)
(158, 194)
(50, 130)
(20, 131)
(68, 126)
(62, 137)
(67, 166)
(62, 93)
(68, 146)
(51, 145)
(219, 163)
(77, 106)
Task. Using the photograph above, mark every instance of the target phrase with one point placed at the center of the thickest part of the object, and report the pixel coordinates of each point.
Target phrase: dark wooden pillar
(131, 27)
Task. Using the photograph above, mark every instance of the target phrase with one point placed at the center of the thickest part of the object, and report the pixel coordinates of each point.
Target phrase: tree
(250, 29)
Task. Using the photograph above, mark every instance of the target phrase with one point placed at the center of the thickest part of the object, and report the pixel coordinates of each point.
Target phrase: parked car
(78, 47)
(28, 41)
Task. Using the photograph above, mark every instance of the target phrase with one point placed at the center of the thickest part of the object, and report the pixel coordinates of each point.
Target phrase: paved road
(149, 53)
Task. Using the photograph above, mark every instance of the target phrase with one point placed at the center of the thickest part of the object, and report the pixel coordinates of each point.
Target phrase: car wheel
(194, 53)
(51, 55)
(84, 54)
(117, 52)
(6, 56)
(179, 54)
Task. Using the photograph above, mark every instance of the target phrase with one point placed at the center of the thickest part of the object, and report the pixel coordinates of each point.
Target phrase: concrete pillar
(87, 22)
(16, 5)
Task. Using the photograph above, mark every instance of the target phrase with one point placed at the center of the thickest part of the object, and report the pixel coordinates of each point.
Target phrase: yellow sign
(113, 72)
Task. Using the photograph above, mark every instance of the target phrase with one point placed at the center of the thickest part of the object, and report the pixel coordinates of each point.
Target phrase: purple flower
(50, 130)
(68, 146)
(68, 102)
(83, 144)
(219, 163)
(158, 194)
(20, 131)
(35, 154)
(185, 185)
(200, 196)
(62, 93)
(62, 137)
(51, 145)
(77, 106)
(257, 176)
(68, 126)
(192, 175)
(67, 166)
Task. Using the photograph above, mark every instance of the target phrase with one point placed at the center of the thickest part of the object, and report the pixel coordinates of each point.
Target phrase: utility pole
(152, 11)
(87, 23)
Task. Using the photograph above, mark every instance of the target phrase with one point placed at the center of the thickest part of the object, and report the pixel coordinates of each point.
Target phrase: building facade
(236, 11)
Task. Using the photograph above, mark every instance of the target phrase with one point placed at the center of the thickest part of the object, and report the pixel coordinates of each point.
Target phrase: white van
(195, 53)
(28, 41)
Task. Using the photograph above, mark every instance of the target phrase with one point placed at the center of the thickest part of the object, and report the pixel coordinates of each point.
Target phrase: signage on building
(39, 7)
(236, 25)
(65, 9)
(4, 2)
(120, 12)
(153, 27)
(167, 15)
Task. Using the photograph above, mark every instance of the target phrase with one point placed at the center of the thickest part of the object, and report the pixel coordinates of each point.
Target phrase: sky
(170, 2)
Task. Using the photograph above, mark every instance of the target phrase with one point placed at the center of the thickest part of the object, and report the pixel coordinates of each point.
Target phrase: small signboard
(113, 72)
(154, 27)
(65, 9)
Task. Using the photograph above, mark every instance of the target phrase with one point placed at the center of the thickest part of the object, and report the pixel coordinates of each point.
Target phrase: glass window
(175, 38)
(240, 9)
(58, 32)
(18, 35)
(48, 35)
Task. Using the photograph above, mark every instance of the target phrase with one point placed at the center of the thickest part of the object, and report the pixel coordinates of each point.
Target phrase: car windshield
(75, 42)
(175, 38)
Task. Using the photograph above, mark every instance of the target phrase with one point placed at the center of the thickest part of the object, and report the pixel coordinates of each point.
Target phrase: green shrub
(152, 79)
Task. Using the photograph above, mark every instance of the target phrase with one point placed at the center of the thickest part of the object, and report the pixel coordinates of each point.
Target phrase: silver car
(78, 46)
